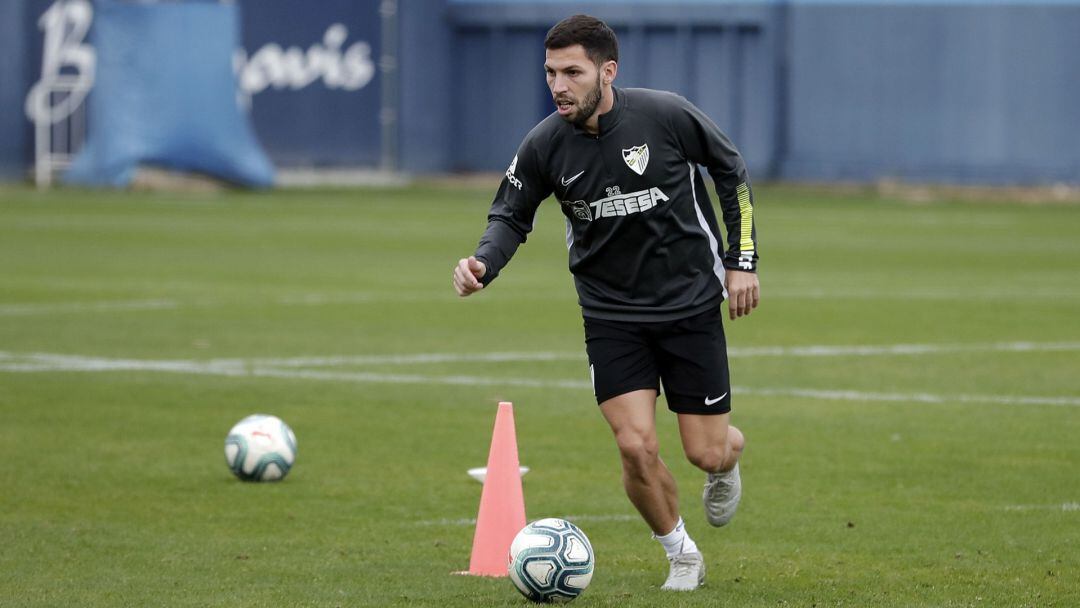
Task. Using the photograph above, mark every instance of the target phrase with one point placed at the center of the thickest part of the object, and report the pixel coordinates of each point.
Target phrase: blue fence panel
(308, 72)
(952, 90)
(311, 71)
(428, 85)
(959, 91)
(499, 94)
(720, 55)
(14, 136)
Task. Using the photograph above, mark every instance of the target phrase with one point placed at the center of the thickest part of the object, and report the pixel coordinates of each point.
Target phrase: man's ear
(609, 70)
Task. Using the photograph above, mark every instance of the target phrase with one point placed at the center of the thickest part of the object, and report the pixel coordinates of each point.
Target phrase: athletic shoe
(687, 572)
(721, 496)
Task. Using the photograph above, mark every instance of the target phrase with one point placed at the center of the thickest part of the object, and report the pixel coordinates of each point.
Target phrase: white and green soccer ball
(260, 448)
(551, 560)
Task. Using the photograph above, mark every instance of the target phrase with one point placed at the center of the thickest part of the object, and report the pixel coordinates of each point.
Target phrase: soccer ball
(551, 560)
(260, 448)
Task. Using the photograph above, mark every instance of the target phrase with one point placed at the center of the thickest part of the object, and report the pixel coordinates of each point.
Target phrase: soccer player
(649, 265)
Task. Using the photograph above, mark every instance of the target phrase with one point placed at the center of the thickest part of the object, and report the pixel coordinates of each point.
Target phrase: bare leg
(714, 446)
(648, 482)
(710, 442)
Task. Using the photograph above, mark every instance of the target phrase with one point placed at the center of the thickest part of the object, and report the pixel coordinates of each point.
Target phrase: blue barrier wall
(722, 60)
(310, 70)
(14, 147)
(308, 74)
(428, 86)
(941, 90)
(959, 91)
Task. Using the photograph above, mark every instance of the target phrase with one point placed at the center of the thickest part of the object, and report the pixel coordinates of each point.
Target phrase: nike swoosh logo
(567, 182)
(712, 401)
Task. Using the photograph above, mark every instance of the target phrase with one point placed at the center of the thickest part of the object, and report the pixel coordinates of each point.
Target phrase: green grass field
(909, 388)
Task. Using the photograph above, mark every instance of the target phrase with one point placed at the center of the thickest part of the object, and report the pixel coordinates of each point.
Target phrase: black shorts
(688, 355)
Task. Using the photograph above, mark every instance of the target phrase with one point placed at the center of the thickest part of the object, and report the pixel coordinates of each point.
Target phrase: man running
(649, 265)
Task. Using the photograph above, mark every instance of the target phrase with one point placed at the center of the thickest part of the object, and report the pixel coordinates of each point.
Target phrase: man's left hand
(743, 293)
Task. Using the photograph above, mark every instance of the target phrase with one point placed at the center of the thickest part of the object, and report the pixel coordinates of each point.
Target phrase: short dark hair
(591, 33)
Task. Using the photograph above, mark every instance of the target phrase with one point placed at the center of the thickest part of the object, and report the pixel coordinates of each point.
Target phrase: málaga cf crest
(637, 158)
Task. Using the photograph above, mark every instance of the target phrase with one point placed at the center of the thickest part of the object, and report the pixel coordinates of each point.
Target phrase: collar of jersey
(608, 119)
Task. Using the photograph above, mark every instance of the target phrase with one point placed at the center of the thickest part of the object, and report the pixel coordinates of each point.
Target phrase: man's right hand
(467, 275)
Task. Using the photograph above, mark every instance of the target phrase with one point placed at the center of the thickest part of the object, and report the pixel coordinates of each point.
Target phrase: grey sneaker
(687, 572)
(721, 496)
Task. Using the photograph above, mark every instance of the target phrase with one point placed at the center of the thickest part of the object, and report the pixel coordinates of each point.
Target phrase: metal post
(388, 65)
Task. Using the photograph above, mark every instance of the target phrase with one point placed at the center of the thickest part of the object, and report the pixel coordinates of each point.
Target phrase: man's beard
(587, 105)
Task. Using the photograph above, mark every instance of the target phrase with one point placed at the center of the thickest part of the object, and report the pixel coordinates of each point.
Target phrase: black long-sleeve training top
(643, 239)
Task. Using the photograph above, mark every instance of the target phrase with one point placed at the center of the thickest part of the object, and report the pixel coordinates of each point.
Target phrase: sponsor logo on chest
(618, 204)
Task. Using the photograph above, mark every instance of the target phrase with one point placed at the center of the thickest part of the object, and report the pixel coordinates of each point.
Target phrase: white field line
(420, 358)
(762, 351)
(849, 395)
(372, 377)
(317, 299)
(919, 294)
(510, 357)
(1065, 507)
(467, 521)
(902, 349)
(19, 310)
(42, 362)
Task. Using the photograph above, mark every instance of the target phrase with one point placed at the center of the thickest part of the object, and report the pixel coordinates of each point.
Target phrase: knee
(715, 457)
(709, 458)
(639, 452)
(736, 440)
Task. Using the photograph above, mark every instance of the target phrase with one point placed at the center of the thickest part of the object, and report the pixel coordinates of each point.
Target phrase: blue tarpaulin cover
(165, 95)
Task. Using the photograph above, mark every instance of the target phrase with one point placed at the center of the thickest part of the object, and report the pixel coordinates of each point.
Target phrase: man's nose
(558, 84)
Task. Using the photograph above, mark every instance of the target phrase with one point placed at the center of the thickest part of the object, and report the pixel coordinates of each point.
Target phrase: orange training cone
(502, 503)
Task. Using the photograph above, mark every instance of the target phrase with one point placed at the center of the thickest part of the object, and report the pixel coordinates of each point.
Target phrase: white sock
(677, 541)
